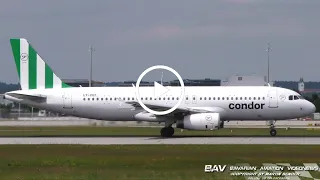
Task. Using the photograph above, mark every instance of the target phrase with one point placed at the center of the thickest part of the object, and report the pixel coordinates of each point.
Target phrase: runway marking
(156, 140)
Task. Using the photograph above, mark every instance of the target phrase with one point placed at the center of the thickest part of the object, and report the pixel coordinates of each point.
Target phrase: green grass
(146, 131)
(127, 162)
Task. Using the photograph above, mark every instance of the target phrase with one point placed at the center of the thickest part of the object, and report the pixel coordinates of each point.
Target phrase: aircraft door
(194, 99)
(122, 102)
(273, 98)
(67, 101)
(187, 99)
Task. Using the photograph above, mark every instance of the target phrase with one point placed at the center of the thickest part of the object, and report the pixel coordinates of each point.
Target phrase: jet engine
(201, 121)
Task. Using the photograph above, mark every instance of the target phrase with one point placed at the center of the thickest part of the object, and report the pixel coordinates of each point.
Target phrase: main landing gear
(167, 131)
(273, 131)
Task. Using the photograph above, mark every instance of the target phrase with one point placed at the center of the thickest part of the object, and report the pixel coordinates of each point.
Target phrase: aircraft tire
(273, 132)
(221, 125)
(167, 132)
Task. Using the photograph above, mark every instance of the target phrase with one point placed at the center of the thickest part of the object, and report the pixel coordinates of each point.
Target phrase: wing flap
(179, 109)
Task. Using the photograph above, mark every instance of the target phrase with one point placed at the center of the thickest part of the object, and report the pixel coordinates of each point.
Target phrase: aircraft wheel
(273, 132)
(171, 131)
(221, 125)
(167, 131)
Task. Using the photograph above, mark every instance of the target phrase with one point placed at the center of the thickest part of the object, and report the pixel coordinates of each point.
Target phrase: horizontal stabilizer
(30, 97)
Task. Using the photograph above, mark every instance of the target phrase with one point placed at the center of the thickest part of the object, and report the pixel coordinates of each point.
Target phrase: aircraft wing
(191, 110)
(30, 97)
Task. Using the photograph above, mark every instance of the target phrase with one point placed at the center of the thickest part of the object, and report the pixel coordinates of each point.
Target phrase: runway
(157, 140)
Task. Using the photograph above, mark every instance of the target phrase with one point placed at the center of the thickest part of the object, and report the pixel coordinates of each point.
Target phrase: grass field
(127, 162)
(145, 131)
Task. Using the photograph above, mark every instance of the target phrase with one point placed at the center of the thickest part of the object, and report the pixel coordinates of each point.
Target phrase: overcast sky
(198, 38)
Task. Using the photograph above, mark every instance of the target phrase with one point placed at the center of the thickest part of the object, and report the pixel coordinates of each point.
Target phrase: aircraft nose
(311, 107)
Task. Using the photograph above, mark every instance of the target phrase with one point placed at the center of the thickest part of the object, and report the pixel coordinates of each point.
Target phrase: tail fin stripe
(24, 64)
(33, 72)
(56, 81)
(32, 68)
(49, 77)
(40, 72)
(15, 45)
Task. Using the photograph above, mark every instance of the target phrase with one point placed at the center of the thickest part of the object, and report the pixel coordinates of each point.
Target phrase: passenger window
(227, 98)
(106, 99)
(151, 98)
(222, 98)
(187, 98)
(231, 98)
(172, 98)
(236, 98)
(200, 98)
(168, 98)
(209, 98)
(254, 98)
(177, 98)
(97, 99)
(218, 98)
(258, 98)
(84, 99)
(205, 98)
(194, 98)
(263, 98)
(249, 98)
(240, 98)
(290, 97)
(213, 98)
(92, 99)
(245, 98)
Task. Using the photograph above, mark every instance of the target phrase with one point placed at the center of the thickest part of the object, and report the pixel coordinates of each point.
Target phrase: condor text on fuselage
(251, 105)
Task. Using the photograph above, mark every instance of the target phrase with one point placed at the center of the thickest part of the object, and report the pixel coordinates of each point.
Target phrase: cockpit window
(295, 97)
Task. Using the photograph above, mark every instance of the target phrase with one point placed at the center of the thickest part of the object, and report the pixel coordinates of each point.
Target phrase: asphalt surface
(157, 140)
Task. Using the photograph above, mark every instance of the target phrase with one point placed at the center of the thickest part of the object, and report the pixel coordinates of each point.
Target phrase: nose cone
(311, 108)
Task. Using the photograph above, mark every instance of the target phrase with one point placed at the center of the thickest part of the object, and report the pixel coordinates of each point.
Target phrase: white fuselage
(233, 103)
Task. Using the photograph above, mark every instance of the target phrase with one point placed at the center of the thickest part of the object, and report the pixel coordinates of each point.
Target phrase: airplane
(202, 107)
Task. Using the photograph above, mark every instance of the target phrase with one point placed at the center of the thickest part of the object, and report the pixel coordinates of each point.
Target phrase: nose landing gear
(273, 131)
